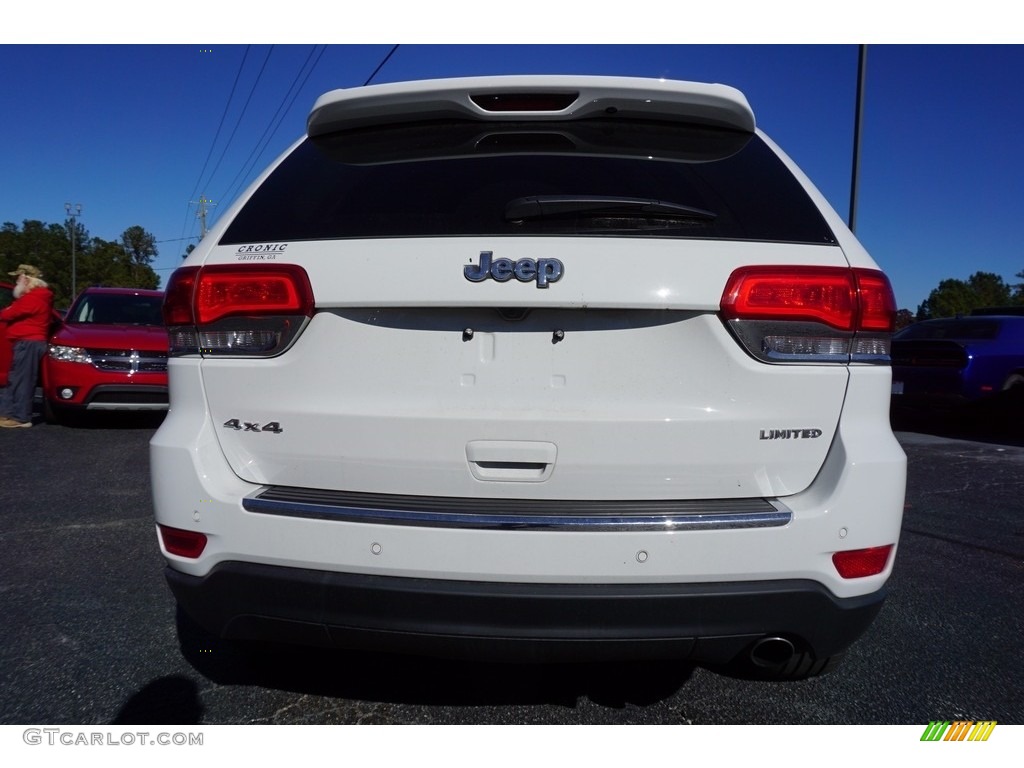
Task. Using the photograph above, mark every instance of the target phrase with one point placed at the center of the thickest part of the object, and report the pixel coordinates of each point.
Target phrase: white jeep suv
(539, 367)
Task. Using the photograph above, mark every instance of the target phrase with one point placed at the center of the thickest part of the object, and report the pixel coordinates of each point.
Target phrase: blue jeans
(16, 397)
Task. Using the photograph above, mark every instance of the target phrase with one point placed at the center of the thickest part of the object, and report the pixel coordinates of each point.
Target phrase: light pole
(858, 119)
(73, 212)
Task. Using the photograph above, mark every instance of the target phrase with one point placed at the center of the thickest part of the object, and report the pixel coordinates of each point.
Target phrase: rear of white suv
(536, 368)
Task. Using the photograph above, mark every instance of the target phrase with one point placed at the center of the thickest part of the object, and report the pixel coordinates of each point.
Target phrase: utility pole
(73, 212)
(201, 215)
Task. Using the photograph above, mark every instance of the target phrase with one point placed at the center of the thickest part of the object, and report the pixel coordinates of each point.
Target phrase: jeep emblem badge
(543, 271)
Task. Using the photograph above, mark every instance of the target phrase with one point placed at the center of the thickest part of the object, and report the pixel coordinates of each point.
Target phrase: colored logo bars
(958, 730)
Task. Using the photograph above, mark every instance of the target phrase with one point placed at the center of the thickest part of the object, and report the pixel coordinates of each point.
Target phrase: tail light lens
(188, 544)
(228, 310)
(787, 314)
(858, 563)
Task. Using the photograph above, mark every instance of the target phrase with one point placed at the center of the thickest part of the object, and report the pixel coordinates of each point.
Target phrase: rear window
(956, 329)
(459, 178)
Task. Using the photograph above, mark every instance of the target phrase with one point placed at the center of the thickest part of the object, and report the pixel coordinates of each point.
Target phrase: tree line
(124, 263)
(955, 297)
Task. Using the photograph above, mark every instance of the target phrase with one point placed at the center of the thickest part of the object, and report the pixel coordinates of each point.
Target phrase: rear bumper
(932, 385)
(704, 623)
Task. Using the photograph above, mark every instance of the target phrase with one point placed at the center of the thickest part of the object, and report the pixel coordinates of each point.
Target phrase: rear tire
(51, 413)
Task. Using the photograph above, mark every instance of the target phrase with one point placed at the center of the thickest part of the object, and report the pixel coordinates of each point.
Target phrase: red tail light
(847, 299)
(254, 310)
(228, 290)
(858, 563)
(178, 297)
(877, 302)
(811, 314)
(789, 293)
(188, 544)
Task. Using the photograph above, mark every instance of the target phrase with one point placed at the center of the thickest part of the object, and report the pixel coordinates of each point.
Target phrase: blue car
(959, 360)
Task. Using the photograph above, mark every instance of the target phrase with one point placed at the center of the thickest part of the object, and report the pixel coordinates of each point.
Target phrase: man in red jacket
(28, 325)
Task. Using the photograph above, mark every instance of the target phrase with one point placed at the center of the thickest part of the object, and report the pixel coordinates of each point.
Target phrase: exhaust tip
(771, 651)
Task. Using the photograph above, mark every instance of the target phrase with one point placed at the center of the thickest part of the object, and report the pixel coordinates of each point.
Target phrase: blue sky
(136, 133)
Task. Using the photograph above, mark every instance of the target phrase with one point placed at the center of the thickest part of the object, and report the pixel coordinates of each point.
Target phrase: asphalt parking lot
(90, 633)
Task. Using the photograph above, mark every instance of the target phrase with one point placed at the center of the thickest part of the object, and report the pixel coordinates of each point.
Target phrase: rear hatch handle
(517, 461)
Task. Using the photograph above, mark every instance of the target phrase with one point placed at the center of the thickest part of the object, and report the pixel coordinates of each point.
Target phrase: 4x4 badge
(543, 271)
(252, 426)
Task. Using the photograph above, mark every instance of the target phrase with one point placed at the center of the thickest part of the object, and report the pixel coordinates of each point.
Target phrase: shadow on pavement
(412, 680)
(999, 421)
(106, 420)
(172, 700)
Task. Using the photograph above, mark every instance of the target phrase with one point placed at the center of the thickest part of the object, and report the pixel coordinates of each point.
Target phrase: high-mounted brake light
(524, 102)
(252, 310)
(811, 314)
(858, 563)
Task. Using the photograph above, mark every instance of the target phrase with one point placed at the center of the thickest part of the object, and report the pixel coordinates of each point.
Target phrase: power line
(241, 115)
(275, 123)
(248, 166)
(216, 135)
(381, 65)
(238, 121)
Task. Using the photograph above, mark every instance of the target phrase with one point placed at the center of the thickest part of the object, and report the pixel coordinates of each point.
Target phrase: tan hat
(28, 270)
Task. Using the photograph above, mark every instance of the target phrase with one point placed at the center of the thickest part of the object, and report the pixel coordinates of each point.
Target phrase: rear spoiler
(527, 98)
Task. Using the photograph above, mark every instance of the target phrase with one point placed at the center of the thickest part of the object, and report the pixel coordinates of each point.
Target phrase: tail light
(228, 310)
(188, 544)
(858, 563)
(811, 314)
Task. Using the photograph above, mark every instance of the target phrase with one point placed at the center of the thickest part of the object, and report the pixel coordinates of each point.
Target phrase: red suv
(109, 353)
